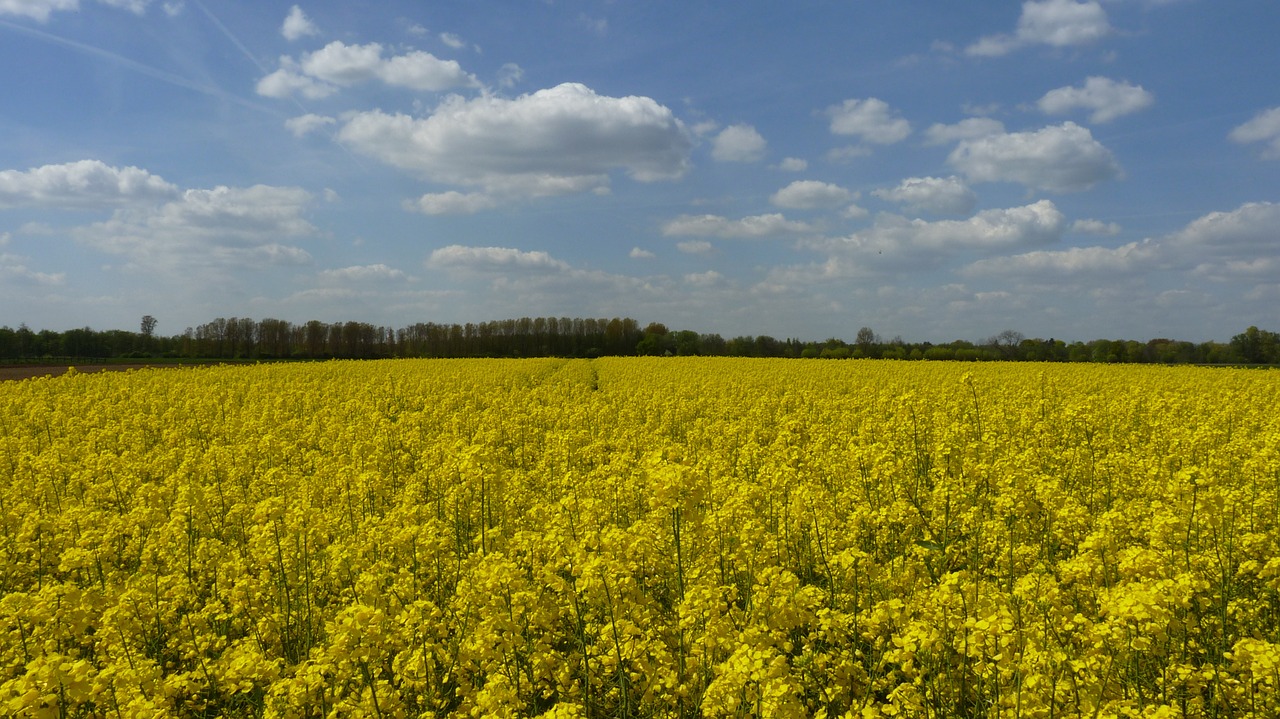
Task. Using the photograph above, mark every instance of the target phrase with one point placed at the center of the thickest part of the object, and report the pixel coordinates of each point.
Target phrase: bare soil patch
(15, 372)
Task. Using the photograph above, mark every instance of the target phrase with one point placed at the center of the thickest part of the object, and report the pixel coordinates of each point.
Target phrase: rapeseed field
(629, 537)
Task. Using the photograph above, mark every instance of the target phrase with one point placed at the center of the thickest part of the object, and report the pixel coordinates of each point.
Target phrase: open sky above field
(934, 170)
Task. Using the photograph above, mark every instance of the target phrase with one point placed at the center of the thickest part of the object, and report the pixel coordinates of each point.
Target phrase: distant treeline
(268, 339)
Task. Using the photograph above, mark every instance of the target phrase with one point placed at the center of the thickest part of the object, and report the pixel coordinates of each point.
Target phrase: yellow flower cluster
(641, 538)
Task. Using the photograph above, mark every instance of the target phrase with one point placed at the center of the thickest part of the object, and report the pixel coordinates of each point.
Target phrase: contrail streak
(242, 47)
(134, 65)
(234, 40)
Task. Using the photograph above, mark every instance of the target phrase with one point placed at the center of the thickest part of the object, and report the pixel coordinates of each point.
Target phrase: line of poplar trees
(274, 339)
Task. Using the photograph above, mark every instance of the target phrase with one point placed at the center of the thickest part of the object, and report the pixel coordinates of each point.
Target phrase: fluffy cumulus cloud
(1106, 98)
(297, 25)
(1263, 128)
(1235, 245)
(967, 129)
(306, 124)
(1041, 264)
(493, 259)
(82, 184)
(1213, 242)
(738, 143)
(1035, 224)
(871, 119)
(793, 164)
(1057, 23)
(561, 140)
(770, 225)
(934, 195)
(321, 73)
(451, 203)
(289, 81)
(811, 194)
(219, 228)
(895, 238)
(897, 245)
(1059, 158)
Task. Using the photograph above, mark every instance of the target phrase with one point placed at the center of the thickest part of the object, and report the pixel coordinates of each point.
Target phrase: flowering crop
(641, 538)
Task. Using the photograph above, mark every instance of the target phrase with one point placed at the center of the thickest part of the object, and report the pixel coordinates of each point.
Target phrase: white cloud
(223, 227)
(1236, 246)
(811, 194)
(320, 73)
(136, 7)
(638, 253)
(4, 238)
(1246, 232)
(967, 129)
(342, 64)
(488, 259)
(1226, 246)
(297, 25)
(935, 195)
(748, 227)
(1264, 128)
(895, 243)
(349, 64)
(40, 10)
(710, 278)
(848, 153)
(510, 74)
(1059, 158)
(307, 124)
(288, 81)
(793, 164)
(1057, 23)
(704, 128)
(854, 212)
(1038, 223)
(1095, 227)
(39, 229)
(870, 119)
(13, 270)
(1074, 261)
(738, 143)
(561, 140)
(82, 184)
(363, 274)
(452, 40)
(1107, 99)
(451, 203)
(695, 247)
(423, 71)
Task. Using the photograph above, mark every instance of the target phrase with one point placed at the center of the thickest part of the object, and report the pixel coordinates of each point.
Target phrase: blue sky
(932, 170)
